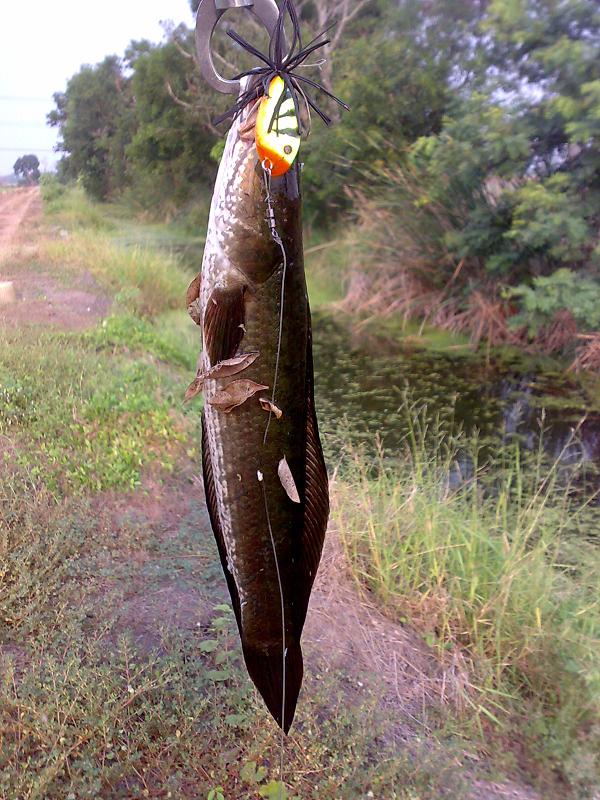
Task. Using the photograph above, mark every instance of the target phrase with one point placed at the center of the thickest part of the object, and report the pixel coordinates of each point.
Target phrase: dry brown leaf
(223, 369)
(269, 405)
(193, 389)
(235, 394)
(193, 290)
(287, 480)
(194, 312)
(231, 366)
(192, 300)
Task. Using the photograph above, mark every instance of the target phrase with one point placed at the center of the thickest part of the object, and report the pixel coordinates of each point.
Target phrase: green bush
(564, 290)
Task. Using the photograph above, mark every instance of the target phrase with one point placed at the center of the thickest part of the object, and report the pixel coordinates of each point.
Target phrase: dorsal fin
(316, 494)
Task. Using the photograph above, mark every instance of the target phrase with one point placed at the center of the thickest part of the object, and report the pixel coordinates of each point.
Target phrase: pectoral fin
(224, 318)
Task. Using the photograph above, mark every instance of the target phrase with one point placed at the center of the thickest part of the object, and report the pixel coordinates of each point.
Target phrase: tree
(95, 118)
(169, 154)
(506, 192)
(27, 169)
(398, 70)
(531, 135)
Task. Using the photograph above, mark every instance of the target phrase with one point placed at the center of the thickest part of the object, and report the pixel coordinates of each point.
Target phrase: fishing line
(267, 170)
(283, 647)
(276, 238)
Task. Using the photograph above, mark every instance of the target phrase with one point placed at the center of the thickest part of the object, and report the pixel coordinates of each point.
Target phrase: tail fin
(265, 666)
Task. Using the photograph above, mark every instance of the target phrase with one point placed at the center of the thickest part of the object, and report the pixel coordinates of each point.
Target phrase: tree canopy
(477, 120)
(27, 169)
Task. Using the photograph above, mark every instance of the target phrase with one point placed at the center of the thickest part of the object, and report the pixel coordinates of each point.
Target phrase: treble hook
(209, 13)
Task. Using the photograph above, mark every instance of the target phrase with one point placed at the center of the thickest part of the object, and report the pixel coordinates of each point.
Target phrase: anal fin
(316, 494)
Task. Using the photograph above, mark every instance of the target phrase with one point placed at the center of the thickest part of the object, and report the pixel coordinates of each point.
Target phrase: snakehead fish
(264, 475)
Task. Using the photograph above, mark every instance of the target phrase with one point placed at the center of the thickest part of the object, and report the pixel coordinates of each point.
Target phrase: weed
(170, 337)
(85, 420)
(70, 206)
(87, 711)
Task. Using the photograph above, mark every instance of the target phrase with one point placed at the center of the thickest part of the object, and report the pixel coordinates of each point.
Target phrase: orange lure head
(277, 131)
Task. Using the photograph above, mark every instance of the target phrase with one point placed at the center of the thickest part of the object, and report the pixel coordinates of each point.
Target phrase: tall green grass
(70, 207)
(148, 280)
(155, 282)
(485, 567)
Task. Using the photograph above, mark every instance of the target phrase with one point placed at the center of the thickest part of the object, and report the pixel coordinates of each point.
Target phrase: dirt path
(14, 207)
(41, 298)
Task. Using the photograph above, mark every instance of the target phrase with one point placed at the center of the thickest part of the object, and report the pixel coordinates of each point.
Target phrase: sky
(42, 44)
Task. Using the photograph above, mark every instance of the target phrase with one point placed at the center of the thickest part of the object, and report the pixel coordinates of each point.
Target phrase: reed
(478, 557)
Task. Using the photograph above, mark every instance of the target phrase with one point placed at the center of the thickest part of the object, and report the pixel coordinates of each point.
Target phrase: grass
(89, 709)
(148, 281)
(103, 692)
(326, 262)
(92, 423)
(485, 569)
(79, 416)
(70, 207)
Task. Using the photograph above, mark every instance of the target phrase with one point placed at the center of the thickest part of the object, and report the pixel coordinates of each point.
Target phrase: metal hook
(209, 13)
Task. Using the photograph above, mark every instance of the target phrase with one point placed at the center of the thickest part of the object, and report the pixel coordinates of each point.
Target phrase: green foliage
(128, 126)
(564, 290)
(169, 154)
(394, 72)
(51, 188)
(27, 169)
(95, 117)
(508, 189)
(549, 219)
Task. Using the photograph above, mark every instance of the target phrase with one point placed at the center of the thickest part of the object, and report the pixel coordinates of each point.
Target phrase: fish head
(256, 207)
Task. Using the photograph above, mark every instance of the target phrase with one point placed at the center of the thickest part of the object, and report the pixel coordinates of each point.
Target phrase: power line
(28, 99)
(23, 124)
(21, 149)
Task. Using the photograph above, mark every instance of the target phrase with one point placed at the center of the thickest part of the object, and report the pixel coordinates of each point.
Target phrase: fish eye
(287, 149)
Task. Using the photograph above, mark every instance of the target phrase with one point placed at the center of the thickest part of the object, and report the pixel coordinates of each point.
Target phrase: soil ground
(344, 633)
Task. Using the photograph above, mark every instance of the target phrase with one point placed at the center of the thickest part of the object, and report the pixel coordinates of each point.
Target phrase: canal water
(368, 385)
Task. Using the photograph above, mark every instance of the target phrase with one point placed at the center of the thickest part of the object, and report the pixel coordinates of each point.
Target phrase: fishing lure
(283, 63)
(277, 132)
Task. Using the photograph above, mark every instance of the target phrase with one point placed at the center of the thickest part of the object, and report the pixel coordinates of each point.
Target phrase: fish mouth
(265, 667)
